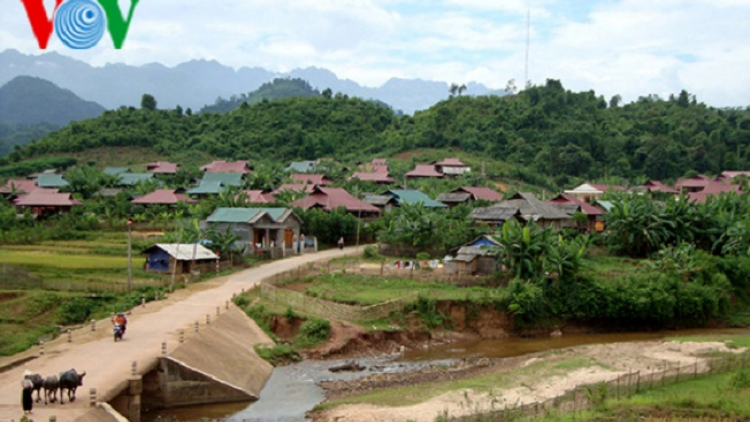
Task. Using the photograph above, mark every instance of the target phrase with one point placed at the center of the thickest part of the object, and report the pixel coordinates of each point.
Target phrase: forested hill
(275, 90)
(546, 130)
(27, 100)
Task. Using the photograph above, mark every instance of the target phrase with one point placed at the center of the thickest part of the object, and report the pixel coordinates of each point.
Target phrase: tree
(148, 102)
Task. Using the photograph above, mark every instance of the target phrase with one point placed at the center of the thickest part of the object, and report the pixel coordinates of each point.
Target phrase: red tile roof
(162, 167)
(586, 208)
(605, 188)
(162, 197)
(331, 198)
(486, 194)
(693, 182)
(259, 197)
(424, 170)
(657, 186)
(451, 162)
(721, 188)
(373, 168)
(21, 186)
(378, 177)
(46, 198)
(240, 166)
(315, 179)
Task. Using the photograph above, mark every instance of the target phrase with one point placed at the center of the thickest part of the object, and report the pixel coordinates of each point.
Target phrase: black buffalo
(51, 384)
(70, 380)
(37, 381)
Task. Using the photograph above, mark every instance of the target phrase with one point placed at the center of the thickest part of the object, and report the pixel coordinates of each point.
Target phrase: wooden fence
(584, 396)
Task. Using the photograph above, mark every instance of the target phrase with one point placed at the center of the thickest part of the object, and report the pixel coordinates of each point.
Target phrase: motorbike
(118, 331)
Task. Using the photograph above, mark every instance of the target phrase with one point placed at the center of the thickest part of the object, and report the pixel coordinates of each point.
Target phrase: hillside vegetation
(553, 136)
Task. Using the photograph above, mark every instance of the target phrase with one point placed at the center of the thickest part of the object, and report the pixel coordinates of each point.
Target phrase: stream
(292, 390)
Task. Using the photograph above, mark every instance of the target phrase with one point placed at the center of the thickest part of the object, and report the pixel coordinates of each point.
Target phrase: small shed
(188, 257)
(478, 257)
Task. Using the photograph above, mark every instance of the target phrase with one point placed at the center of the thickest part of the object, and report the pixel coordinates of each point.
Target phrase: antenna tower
(528, 46)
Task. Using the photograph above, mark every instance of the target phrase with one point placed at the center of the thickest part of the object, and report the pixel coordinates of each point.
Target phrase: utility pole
(130, 256)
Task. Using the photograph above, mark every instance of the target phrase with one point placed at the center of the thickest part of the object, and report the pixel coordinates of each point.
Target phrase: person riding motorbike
(121, 321)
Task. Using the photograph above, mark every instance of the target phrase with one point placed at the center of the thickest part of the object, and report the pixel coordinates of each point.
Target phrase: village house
(50, 181)
(452, 167)
(162, 197)
(377, 165)
(114, 171)
(15, 187)
(295, 187)
(423, 171)
(259, 229)
(525, 207)
(713, 189)
(572, 205)
(329, 199)
(478, 257)
(240, 166)
(311, 179)
(162, 167)
(589, 192)
(655, 186)
(132, 179)
(215, 183)
(694, 184)
(180, 258)
(398, 197)
(257, 197)
(466, 195)
(381, 178)
(729, 175)
(46, 202)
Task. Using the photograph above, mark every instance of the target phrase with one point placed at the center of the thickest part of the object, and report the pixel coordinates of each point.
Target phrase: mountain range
(199, 83)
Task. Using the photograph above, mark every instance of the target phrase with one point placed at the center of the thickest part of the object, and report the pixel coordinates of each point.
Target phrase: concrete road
(108, 364)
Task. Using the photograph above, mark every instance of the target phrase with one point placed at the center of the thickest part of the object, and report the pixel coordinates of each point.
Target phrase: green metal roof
(114, 171)
(607, 205)
(414, 196)
(206, 188)
(130, 179)
(50, 180)
(243, 215)
(226, 179)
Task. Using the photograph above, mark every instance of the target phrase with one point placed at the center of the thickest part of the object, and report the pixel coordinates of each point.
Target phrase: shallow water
(292, 390)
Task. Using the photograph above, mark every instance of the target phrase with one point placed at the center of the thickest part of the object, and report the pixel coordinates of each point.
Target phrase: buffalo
(51, 384)
(70, 380)
(37, 381)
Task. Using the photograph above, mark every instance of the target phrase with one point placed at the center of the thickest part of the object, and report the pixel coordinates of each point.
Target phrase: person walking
(28, 389)
(341, 242)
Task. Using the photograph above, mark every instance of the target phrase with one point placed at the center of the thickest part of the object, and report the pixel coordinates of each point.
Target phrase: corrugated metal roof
(162, 167)
(130, 179)
(408, 196)
(302, 166)
(332, 198)
(206, 188)
(424, 170)
(51, 180)
(378, 177)
(113, 171)
(226, 179)
(44, 198)
(259, 197)
(240, 166)
(19, 186)
(186, 251)
(162, 197)
(244, 215)
(454, 197)
(451, 162)
(378, 200)
(486, 194)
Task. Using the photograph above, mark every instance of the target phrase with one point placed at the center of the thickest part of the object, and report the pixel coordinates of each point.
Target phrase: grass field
(370, 290)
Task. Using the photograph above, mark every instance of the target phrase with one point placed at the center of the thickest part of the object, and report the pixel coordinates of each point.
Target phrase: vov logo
(79, 24)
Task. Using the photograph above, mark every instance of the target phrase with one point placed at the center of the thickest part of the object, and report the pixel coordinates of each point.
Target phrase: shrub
(741, 379)
(312, 332)
(277, 354)
(370, 252)
(75, 311)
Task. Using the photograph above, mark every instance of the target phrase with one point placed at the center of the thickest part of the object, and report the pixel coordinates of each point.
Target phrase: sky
(628, 47)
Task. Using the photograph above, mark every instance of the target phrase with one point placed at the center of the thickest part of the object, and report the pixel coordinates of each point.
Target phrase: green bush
(312, 332)
(241, 301)
(427, 310)
(741, 379)
(75, 311)
(370, 252)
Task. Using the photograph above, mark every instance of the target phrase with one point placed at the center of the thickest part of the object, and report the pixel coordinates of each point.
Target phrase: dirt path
(108, 364)
(534, 379)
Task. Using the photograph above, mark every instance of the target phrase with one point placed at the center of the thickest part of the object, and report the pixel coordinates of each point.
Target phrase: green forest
(544, 135)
